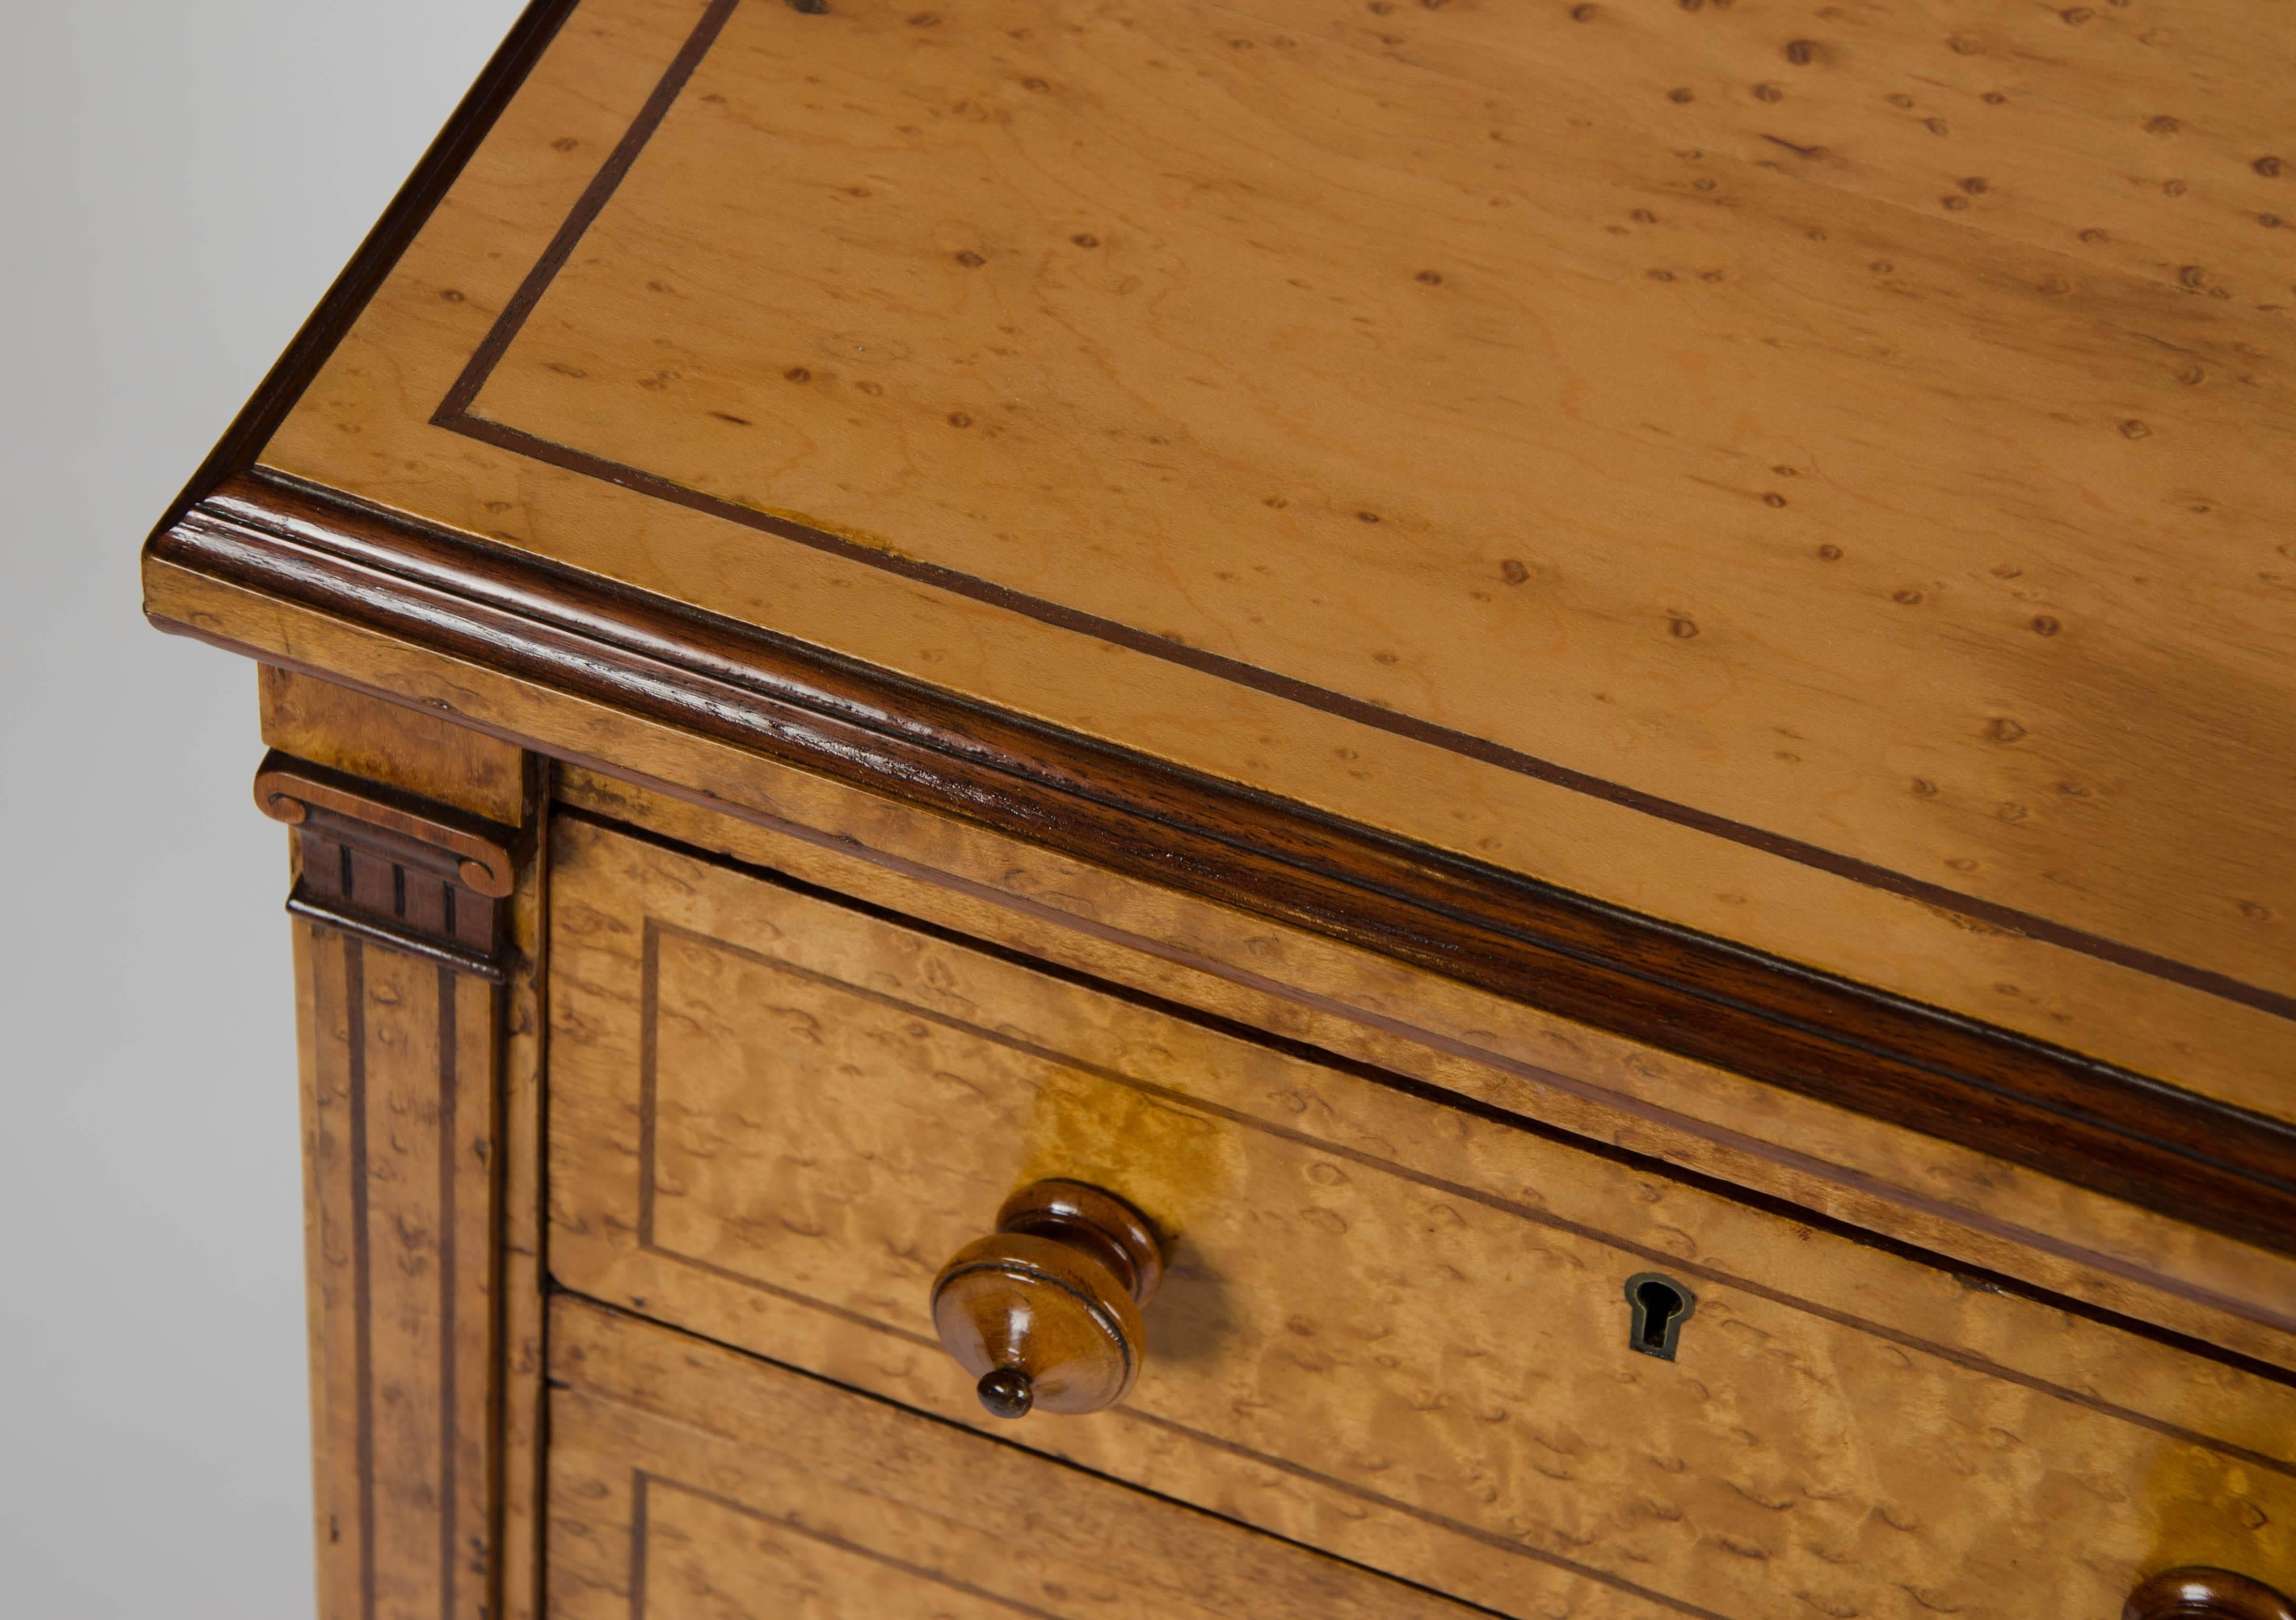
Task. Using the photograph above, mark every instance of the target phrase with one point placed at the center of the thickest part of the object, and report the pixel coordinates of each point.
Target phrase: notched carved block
(405, 872)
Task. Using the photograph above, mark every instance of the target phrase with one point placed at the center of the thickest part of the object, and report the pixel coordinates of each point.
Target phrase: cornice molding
(2034, 1104)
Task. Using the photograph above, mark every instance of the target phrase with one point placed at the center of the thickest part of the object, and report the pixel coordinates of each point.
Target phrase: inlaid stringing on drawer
(686, 1479)
(1392, 1328)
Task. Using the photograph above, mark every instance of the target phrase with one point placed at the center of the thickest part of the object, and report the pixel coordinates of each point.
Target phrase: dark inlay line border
(1284, 1465)
(641, 1480)
(640, 1536)
(362, 1306)
(450, 1434)
(654, 928)
(590, 1305)
(453, 415)
(1308, 1052)
(359, 1170)
(650, 1000)
(378, 255)
(586, 206)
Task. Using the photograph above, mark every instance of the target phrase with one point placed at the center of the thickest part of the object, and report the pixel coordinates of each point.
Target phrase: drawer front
(1393, 1328)
(688, 1481)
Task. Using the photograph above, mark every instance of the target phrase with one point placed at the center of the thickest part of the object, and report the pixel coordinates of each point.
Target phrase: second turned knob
(1044, 1312)
(2198, 1592)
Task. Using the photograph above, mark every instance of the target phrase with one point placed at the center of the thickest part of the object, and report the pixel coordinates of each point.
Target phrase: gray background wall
(178, 185)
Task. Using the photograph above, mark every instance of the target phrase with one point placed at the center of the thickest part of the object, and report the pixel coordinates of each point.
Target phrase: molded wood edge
(434, 173)
(2054, 1110)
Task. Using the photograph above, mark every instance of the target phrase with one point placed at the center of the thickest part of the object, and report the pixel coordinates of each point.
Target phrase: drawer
(1392, 1328)
(689, 1481)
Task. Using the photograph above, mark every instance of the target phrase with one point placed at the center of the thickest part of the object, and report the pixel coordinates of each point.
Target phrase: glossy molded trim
(436, 171)
(2021, 1100)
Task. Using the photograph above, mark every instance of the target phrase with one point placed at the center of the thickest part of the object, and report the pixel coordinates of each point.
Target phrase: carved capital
(392, 867)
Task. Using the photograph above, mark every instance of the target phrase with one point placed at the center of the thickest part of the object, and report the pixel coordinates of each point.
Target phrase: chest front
(1165, 810)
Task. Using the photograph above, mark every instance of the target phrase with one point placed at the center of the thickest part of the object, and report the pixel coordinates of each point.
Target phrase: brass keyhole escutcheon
(1044, 1312)
(1661, 1306)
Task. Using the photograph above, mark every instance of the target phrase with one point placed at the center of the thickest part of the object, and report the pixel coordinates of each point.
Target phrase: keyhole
(1661, 1306)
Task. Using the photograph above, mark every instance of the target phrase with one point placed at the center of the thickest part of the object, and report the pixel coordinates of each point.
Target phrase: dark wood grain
(2119, 1133)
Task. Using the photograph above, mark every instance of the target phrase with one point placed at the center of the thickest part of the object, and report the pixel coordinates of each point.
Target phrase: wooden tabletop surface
(1815, 475)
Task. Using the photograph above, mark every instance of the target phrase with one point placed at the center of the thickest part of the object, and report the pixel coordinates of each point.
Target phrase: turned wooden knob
(2196, 1593)
(1045, 1311)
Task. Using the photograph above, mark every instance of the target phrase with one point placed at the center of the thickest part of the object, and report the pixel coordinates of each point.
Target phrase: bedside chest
(1296, 808)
